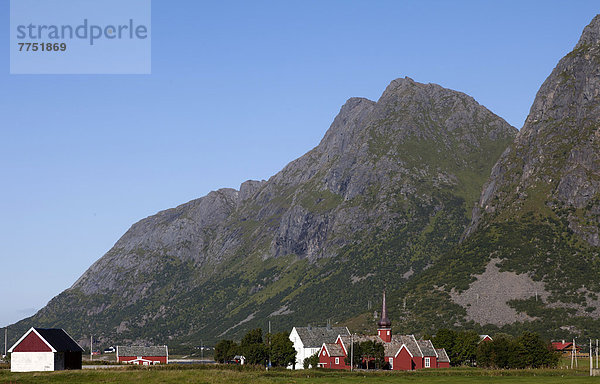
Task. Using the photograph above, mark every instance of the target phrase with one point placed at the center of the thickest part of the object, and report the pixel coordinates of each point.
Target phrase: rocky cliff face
(389, 188)
(557, 149)
(532, 249)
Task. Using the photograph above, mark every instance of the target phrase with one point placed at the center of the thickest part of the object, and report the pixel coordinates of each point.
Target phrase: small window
(337, 360)
(388, 333)
(427, 362)
(323, 353)
(391, 363)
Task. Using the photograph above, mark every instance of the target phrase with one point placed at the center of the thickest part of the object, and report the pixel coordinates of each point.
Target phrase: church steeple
(384, 325)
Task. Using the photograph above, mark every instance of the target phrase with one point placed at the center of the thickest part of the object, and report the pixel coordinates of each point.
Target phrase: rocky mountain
(532, 251)
(385, 194)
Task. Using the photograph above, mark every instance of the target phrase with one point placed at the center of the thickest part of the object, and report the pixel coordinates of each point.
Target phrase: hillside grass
(220, 374)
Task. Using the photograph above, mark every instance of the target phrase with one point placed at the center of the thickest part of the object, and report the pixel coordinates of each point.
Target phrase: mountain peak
(557, 148)
(591, 33)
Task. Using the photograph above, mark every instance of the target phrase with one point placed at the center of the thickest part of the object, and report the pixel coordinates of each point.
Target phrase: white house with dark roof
(308, 340)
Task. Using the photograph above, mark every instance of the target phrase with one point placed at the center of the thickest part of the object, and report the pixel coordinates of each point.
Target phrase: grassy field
(217, 375)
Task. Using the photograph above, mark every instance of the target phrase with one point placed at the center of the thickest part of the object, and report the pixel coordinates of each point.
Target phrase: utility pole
(91, 348)
(201, 350)
(269, 364)
(597, 353)
(572, 353)
(352, 352)
(5, 340)
(591, 361)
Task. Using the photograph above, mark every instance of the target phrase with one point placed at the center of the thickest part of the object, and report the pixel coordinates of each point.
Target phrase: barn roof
(142, 351)
(59, 339)
(56, 338)
(442, 355)
(314, 337)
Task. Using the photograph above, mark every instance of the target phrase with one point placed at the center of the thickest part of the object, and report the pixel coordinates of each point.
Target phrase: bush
(311, 361)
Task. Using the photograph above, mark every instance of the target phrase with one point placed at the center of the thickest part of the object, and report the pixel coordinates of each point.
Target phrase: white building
(45, 349)
(308, 340)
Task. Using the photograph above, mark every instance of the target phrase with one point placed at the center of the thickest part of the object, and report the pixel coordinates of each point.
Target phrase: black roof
(59, 339)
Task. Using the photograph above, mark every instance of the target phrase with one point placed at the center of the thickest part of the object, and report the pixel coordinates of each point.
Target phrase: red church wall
(418, 363)
(443, 365)
(403, 361)
(32, 343)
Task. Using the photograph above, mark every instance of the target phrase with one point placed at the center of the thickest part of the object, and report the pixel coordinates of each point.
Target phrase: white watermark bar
(80, 37)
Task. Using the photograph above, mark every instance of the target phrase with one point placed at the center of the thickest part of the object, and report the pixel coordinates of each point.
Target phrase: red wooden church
(402, 352)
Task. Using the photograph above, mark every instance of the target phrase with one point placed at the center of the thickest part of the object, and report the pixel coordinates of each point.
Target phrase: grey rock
(558, 147)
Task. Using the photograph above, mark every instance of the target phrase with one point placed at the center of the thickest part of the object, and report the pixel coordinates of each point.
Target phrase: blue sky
(237, 90)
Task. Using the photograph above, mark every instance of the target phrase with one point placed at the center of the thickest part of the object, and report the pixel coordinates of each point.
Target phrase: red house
(332, 355)
(401, 352)
(143, 355)
(566, 348)
(485, 338)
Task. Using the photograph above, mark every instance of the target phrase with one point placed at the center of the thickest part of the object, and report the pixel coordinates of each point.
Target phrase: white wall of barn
(31, 361)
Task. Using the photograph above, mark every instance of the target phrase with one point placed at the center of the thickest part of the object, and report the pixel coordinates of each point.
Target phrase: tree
(499, 353)
(446, 339)
(465, 347)
(311, 361)
(225, 350)
(356, 352)
(535, 352)
(370, 351)
(252, 347)
(254, 336)
(282, 350)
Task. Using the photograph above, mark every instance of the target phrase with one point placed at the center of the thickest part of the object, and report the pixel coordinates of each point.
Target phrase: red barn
(45, 349)
(143, 355)
(401, 352)
(443, 360)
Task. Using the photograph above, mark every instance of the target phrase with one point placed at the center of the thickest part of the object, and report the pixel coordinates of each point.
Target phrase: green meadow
(236, 374)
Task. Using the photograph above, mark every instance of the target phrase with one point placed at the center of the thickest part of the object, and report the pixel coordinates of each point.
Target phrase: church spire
(384, 322)
(384, 325)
